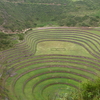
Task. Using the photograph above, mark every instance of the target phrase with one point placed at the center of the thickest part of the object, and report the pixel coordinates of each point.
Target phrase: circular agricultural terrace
(50, 62)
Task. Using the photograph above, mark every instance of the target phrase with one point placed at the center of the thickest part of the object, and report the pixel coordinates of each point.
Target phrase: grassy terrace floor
(51, 61)
(59, 47)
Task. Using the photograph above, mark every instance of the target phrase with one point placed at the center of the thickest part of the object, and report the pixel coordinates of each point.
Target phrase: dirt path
(66, 27)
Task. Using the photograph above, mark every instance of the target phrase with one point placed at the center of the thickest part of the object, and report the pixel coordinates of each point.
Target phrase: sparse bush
(21, 36)
(6, 41)
(91, 90)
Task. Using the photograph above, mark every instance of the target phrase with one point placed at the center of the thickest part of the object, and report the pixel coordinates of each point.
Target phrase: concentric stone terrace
(50, 62)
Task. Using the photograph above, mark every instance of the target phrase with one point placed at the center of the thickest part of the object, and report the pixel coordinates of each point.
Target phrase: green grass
(48, 61)
(57, 47)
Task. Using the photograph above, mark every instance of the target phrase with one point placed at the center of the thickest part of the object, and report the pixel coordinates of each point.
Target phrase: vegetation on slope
(16, 15)
(8, 40)
(5, 41)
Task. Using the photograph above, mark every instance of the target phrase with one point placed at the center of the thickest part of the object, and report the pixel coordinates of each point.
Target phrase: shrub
(91, 90)
(21, 36)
